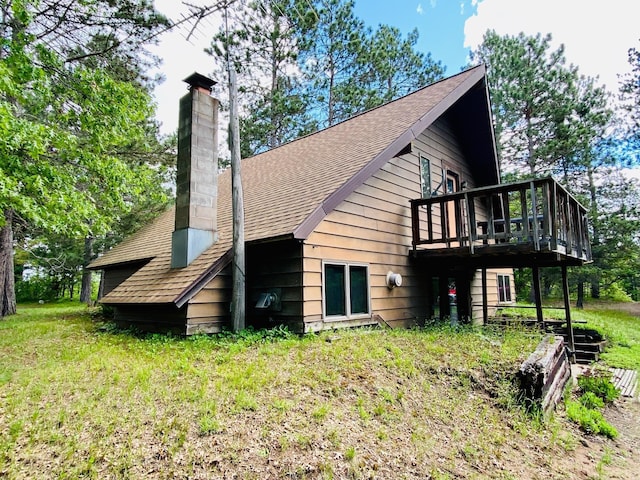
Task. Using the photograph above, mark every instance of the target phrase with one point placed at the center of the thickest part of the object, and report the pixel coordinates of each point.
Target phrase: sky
(596, 35)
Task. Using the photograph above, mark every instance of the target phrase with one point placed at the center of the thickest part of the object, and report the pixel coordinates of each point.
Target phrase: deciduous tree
(66, 121)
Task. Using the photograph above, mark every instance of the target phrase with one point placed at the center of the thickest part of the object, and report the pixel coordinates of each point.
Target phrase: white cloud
(419, 9)
(596, 35)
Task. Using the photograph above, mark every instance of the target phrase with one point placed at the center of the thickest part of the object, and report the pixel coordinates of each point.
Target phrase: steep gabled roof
(290, 189)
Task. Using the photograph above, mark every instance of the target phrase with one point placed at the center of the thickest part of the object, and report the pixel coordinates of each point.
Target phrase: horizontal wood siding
(152, 317)
(275, 267)
(270, 267)
(492, 291)
(209, 310)
(112, 277)
(373, 227)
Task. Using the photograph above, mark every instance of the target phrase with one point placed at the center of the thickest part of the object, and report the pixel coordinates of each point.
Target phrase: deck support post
(537, 293)
(485, 299)
(443, 293)
(567, 312)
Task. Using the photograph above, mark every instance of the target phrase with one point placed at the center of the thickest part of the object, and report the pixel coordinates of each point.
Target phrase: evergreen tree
(332, 54)
(531, 92)
(393, 67)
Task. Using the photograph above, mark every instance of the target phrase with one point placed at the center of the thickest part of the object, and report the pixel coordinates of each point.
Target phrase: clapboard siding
(372, 226)
(275, 267)
(112, 277)
(151, 318)
(209, 310)
(492, 291)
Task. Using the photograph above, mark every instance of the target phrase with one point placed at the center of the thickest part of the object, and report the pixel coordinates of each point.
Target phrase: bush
(35, 289)
(600, 384)
(590, 420)
(591, 400)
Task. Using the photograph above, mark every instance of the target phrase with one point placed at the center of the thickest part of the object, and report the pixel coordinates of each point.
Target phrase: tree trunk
(85, 289)
(7, 285)
(580, 299)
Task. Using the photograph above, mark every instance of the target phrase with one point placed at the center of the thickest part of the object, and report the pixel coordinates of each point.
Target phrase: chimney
(196, 226)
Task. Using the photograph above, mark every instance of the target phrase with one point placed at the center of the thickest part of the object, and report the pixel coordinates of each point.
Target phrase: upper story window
(345, 290)
(504, 288)
(425, 176)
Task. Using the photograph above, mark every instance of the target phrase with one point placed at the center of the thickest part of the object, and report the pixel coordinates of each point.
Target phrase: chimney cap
(198, 80)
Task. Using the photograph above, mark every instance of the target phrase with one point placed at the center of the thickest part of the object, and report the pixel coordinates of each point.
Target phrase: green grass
(79, 399)
(622, 330)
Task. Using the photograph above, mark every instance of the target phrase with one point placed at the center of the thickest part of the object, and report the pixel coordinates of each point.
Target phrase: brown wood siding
(151, 318)
(275, 267)
(271, 267)
(373, 227)
(492, 291)
(208, 310)
(112, 277)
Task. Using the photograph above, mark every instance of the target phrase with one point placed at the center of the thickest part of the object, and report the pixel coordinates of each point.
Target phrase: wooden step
(590, 347)
(583, 356)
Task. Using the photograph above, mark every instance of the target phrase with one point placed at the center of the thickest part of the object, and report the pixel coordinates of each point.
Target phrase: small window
(504, 288)
(425, 176)
(346, 290)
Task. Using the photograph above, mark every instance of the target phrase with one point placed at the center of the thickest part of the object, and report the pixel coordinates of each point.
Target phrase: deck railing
(539, 213)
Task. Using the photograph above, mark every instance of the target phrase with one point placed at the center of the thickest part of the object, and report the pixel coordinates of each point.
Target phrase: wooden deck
(530, 223)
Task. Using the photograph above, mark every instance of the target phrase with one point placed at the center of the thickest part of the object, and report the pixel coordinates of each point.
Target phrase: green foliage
(320, 63)
(531, 88)
(35, 289)
(622, 332)
(591, 421)
(591, 400)
(600, 384)
(79, 150)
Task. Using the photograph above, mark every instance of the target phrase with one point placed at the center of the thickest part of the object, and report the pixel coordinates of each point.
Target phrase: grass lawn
(80, 400)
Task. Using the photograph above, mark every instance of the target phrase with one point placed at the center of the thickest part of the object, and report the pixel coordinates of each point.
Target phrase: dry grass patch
(78, 401)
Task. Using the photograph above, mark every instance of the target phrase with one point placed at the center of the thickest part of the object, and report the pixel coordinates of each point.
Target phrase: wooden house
(372, 220)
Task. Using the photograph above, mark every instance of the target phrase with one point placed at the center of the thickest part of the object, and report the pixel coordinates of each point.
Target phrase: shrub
(600, 384)
(590, 420)
(591, 400)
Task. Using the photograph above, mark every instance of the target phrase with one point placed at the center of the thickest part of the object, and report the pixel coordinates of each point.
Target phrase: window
(504, 288)
(346, 290)
(425, 176)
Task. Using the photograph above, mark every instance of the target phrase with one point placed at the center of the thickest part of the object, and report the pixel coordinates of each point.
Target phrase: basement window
(345, 290)
(504, 288)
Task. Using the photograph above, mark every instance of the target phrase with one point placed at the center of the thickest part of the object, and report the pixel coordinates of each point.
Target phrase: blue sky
(596, 35)
(440, 25)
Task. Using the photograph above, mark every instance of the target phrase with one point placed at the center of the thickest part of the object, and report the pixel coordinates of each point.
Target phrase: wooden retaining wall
(545, 373)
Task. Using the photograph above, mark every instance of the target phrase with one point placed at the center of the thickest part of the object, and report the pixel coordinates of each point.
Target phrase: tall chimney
(196, 226)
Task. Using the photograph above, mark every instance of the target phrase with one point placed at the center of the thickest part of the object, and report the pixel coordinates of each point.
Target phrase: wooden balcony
(528, 223)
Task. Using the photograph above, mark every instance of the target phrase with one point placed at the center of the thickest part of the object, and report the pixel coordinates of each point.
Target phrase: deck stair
(589, 344)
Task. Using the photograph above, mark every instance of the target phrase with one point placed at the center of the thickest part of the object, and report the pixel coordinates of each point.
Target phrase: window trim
(347, 290)
(503, 276)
